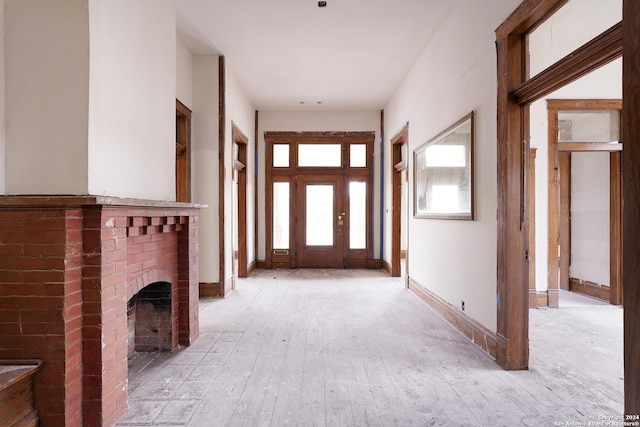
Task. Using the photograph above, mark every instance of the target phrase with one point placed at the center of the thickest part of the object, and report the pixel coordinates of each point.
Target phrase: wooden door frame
(515, 93)
(398, 166)
(631, 209)
(559, 234)
(288, 174)
(183, 153)
(534, 297)
(239, 165)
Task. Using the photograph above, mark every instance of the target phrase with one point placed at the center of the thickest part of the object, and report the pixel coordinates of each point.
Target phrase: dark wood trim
(211, 290)
(615, 228)
(400, 140)
(528, 16)
(631, 207)
(222, 131)
(183, 153)
(601, 50)
(512, 350)
(253, 265)
(256, 182)
(386, 266)
(293, 174)
(538, 299)
(553, 218)
(532, 226)
(261, 264)
(512, 286)
(564, 220)
(559, 253)
(318, 137)
(478, 334)
(589, 289)
(375, 264)
(588, 146)
(239, 138)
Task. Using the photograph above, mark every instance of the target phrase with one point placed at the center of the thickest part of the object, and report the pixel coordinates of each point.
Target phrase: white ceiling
(352, 54)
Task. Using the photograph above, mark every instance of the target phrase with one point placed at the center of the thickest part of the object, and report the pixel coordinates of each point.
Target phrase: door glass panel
(281, 155)
(357, 215)
(280, 215)
(589, 126)
(319, 155)
(319, 215)
(358, 155)
(573, 25)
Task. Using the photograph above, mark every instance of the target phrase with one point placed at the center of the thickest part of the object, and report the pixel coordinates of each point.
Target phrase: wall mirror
(443, 173)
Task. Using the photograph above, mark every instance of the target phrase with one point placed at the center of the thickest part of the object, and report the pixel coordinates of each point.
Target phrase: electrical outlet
(462, 305)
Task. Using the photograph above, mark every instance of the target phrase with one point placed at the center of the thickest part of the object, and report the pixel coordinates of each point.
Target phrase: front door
(320, 223)
(319, 200)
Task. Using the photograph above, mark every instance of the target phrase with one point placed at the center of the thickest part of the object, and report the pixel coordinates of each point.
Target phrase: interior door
(321, 218)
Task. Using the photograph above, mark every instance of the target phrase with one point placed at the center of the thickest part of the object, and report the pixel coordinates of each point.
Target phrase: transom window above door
(320, 155)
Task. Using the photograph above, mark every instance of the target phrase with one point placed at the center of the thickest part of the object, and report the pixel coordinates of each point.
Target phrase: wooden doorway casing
(291, 174)
(560, 204)
(534, 296)
(239, 162)
(515, 93)
(183, 153)
(399, 144)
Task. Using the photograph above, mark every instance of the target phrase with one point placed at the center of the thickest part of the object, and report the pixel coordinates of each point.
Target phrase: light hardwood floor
(354, 348)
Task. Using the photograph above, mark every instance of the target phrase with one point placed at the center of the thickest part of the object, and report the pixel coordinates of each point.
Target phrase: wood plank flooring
(354, 348)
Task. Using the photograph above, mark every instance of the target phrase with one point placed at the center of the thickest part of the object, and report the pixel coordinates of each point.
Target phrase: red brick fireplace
(69, 268)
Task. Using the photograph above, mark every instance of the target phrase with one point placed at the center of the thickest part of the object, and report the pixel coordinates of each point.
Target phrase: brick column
(105, 315)
(41, 304)
(188, 281)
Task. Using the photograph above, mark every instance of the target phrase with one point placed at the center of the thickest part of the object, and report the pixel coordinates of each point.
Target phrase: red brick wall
(66, 275)
(41, 304)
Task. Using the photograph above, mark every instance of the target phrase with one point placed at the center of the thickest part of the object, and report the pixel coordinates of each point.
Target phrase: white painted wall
(46, 96)
(132, 98)
(590, 195)
(320, 121)
(455, 74)
(577, 22)
(184, 74)
(204, 158)
(2, 96)
(241, 112)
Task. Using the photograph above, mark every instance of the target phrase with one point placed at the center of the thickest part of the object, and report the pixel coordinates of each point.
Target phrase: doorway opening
(519, 85)
(585, 199)
(399, 204)
(319, 199)
(239, 204)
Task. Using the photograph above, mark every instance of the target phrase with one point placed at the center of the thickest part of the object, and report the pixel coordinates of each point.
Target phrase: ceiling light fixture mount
(322, 4)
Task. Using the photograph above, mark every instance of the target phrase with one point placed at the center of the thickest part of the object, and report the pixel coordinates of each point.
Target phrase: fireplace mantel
(68, 266)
